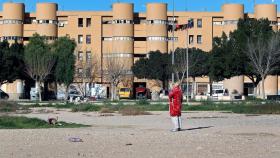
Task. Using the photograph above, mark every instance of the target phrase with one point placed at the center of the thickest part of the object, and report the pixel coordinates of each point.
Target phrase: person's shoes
(179, 129)
(174, 130)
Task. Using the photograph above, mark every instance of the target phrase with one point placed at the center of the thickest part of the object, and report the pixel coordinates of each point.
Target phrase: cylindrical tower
(232, 13)
(47, 20)
(123, 33)
(156, 27)
(269, 11)
(13, 17)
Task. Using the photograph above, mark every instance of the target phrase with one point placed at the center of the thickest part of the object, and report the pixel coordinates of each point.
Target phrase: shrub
(142, 102)
(85, 108)
(132, 111)
(106, 110)
(11, 107)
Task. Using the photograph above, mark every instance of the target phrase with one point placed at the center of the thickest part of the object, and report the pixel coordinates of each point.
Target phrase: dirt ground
(205, 135)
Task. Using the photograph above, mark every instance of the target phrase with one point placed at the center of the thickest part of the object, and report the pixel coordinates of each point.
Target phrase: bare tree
(264, 56)
(39, 68)
(180, 66)
(114, 72)
(191, 62)
(88, 74)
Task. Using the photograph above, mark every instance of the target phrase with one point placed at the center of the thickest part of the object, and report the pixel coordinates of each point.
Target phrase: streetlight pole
(187, 52)
(173, 26)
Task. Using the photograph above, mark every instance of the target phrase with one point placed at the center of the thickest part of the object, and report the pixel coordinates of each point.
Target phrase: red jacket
(175, 101)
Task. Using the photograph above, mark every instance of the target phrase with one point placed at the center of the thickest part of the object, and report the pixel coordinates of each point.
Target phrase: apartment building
(131, 35)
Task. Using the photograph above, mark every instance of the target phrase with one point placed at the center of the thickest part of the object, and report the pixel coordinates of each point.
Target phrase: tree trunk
(255, 90)
(163, 84)
(85, 89)
(263, 91)
(0, 88)
(193, 88)
(38, 87)
(112, 92)
(211, 88)
(67, 92)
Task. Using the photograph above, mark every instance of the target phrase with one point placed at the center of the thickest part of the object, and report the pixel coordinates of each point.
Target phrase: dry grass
(106, 110)
(132, 111)
(6, 106)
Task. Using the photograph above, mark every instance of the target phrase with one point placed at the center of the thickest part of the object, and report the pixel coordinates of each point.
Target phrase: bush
(85, 108)
(132, 111)
(142, 102)
(269, 108)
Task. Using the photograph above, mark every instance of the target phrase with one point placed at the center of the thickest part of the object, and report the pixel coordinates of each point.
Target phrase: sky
(139, 5)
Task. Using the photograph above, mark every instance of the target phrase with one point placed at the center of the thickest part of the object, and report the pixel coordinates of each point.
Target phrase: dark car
(3, 95)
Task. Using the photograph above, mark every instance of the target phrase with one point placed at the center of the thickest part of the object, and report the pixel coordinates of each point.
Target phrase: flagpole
(187, 51)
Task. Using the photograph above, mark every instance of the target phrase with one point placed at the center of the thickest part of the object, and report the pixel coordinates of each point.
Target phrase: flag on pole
(181, 27)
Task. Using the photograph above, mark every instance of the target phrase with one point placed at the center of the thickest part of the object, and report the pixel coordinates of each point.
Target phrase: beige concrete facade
(128, 34)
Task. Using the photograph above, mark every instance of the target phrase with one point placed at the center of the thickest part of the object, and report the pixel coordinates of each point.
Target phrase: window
(122, 21)
(80, 39)
(88, 39)
(80, 22)
(80, 56)
(107, 38)
(140, 39)
(117, 38)
(88, 56)
(202, 89)
(88, 22)
(217, 23)
(190, 39)
(140, 20)
(156, 38)
(199, 23)
(199, 39)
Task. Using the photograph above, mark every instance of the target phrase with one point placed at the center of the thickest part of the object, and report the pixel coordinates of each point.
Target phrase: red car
(143, 93)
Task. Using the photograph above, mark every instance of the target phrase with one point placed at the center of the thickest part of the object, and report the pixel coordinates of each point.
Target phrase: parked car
(218, 92)
(3, 95)
(60, 95)
(125, 93)
(143, 93)
(74, 95)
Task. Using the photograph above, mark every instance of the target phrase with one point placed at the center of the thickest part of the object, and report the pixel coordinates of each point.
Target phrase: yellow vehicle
(125, 92)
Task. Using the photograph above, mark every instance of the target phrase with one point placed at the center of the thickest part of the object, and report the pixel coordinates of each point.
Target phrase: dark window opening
(140, 55)
(88, 22)
(140, 38)
(80, 22)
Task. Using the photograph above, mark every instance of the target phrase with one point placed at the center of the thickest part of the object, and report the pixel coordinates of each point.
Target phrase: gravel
(205, 134)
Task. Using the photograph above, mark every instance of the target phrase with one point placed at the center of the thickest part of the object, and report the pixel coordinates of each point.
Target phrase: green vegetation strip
(245, 107)
(12, 122)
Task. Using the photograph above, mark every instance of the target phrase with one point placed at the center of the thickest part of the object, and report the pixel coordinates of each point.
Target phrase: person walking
(175, 106)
